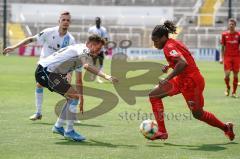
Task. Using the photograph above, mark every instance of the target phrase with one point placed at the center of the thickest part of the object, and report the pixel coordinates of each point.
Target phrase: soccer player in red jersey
(185, 78)
(231, 56)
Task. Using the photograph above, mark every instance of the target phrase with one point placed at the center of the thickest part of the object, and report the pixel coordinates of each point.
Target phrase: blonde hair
(64, 13)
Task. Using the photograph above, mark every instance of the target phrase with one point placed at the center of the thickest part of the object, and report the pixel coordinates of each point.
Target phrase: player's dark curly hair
(165, 29)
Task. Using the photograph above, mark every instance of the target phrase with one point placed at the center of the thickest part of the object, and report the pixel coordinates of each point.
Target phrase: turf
(114, 135)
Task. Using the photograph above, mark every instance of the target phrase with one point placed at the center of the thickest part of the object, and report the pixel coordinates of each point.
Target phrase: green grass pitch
(114, 135)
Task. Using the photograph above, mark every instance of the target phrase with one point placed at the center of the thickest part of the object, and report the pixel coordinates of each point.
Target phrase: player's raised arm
(21, 43)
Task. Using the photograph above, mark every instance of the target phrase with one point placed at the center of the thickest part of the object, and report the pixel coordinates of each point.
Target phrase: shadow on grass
(93, 143)
(204, 147)
(154, 144)
(76, 124)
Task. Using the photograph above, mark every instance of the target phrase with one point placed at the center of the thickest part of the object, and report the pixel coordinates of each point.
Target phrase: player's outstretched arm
(23, 42)
(100, 73)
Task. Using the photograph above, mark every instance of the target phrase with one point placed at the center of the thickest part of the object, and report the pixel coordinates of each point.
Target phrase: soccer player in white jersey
(102, 32)
(51, 39)
(51, 73)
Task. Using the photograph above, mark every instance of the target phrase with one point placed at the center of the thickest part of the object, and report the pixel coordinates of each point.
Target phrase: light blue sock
(39, 100)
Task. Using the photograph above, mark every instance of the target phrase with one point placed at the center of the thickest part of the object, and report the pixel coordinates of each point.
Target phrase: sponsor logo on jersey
(65, 41)
(174, 53)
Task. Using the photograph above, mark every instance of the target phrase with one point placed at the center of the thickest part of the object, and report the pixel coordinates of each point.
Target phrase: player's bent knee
(39, 85)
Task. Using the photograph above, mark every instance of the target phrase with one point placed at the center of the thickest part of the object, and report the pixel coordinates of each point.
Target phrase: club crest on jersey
(174, 53)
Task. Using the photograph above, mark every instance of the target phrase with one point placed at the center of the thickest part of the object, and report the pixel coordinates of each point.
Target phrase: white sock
(59, 123)
(39, 99)
(72, 105)
(69, 126)
(62, 117)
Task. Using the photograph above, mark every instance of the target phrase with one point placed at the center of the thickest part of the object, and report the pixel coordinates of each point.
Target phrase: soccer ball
(148, 128)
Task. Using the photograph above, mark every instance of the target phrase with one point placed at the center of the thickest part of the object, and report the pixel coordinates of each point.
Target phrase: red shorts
(191, 88)
(232, 64)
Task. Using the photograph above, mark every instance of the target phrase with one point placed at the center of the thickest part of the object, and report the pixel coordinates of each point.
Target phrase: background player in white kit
(102, 32)
(51, 73)
(51, 39)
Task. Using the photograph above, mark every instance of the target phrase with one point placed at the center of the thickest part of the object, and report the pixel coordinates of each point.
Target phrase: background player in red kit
(185, 79)
(231, 56)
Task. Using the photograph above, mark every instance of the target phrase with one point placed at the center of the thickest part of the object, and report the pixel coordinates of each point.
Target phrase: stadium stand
(195, 30)
(138, 34)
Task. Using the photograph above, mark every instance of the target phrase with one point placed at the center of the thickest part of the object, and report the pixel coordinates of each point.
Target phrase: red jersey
(174, 49)
(231, 41)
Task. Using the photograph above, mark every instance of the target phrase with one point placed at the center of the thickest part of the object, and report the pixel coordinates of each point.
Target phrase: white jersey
(51, 41)
(67, 59)
(102, 32)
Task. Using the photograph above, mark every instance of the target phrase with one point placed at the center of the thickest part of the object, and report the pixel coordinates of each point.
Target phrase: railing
(202, 40)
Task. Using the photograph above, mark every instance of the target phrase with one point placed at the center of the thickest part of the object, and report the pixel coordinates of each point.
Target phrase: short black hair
(98, 18)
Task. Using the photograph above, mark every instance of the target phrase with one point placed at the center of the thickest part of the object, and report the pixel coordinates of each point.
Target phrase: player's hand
(7, 50)
(163, 81)
(81, 107)
(69, 77)
(111, 79)
(81, 104)
(221, 61)
(165, 68)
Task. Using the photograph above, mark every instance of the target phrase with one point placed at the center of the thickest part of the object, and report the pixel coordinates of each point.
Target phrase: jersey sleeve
(42, 36)
(72, 41)
(172, 52)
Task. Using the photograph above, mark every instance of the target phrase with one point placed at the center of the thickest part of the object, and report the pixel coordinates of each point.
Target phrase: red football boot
(229, 132)
(159, 135)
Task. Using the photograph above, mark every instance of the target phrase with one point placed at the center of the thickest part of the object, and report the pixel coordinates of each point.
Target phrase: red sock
(227, 82)
(210, 119)
(158, 111)
(235, 84)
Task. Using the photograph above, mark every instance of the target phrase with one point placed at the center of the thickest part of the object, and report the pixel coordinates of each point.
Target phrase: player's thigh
(194, 94)
(72, 93)
(41, 77)
(58, 83)
(228, 64)
(38, 85)
(168, 89)
(236, 64)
